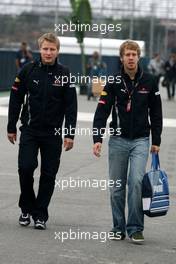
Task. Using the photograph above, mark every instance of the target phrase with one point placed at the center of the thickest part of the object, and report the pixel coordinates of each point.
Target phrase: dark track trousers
(171, 89)
(50, 150)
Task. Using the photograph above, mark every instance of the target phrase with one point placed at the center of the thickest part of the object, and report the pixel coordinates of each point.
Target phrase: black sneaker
(24, 219)
(38, 224)
(137, 237)
(116, 235)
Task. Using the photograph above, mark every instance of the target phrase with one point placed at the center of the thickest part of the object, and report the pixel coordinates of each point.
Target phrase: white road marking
(3, 111)
(82, 116)
(4, 100)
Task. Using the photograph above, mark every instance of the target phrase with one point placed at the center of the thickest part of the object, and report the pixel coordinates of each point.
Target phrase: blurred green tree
(81, 14)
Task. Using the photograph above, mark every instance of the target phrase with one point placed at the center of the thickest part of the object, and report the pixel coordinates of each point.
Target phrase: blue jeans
(127, 163)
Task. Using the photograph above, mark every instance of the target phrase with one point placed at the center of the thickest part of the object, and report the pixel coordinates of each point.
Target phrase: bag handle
(155, 165)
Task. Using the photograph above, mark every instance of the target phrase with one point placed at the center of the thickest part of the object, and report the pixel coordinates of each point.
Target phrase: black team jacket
(47, 98)
(136, 108)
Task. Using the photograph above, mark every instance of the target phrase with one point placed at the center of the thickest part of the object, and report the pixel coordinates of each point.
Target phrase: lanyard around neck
(128, 107)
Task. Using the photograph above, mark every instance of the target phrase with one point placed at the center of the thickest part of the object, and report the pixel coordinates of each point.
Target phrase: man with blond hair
(133, 102)
(43, 88)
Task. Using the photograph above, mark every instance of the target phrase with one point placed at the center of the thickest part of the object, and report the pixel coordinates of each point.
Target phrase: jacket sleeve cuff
(69, 136)
(97, 139)
(156, 141)
(11, 129)
(69, 132)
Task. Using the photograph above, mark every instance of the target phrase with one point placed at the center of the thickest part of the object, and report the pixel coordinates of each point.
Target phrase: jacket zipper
(44, 99)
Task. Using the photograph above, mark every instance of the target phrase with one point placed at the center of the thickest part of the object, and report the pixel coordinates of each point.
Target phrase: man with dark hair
(96, 69)
(170, 76)
(49, 99)
(23, 56)
(156, 67)
(132, 101)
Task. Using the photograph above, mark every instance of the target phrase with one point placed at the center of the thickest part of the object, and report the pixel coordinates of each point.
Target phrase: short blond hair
(129, 44)
(51, 37)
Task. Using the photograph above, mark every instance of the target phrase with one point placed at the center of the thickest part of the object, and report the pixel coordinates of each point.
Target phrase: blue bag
(155, 190)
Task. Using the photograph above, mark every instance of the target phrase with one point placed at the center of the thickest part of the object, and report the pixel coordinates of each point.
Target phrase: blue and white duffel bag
(155, 190)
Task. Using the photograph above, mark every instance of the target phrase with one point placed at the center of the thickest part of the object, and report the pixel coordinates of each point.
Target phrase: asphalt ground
(75, 210)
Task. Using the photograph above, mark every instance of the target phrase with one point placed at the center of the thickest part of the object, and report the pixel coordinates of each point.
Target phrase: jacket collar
(45, 66)
(138, 74)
